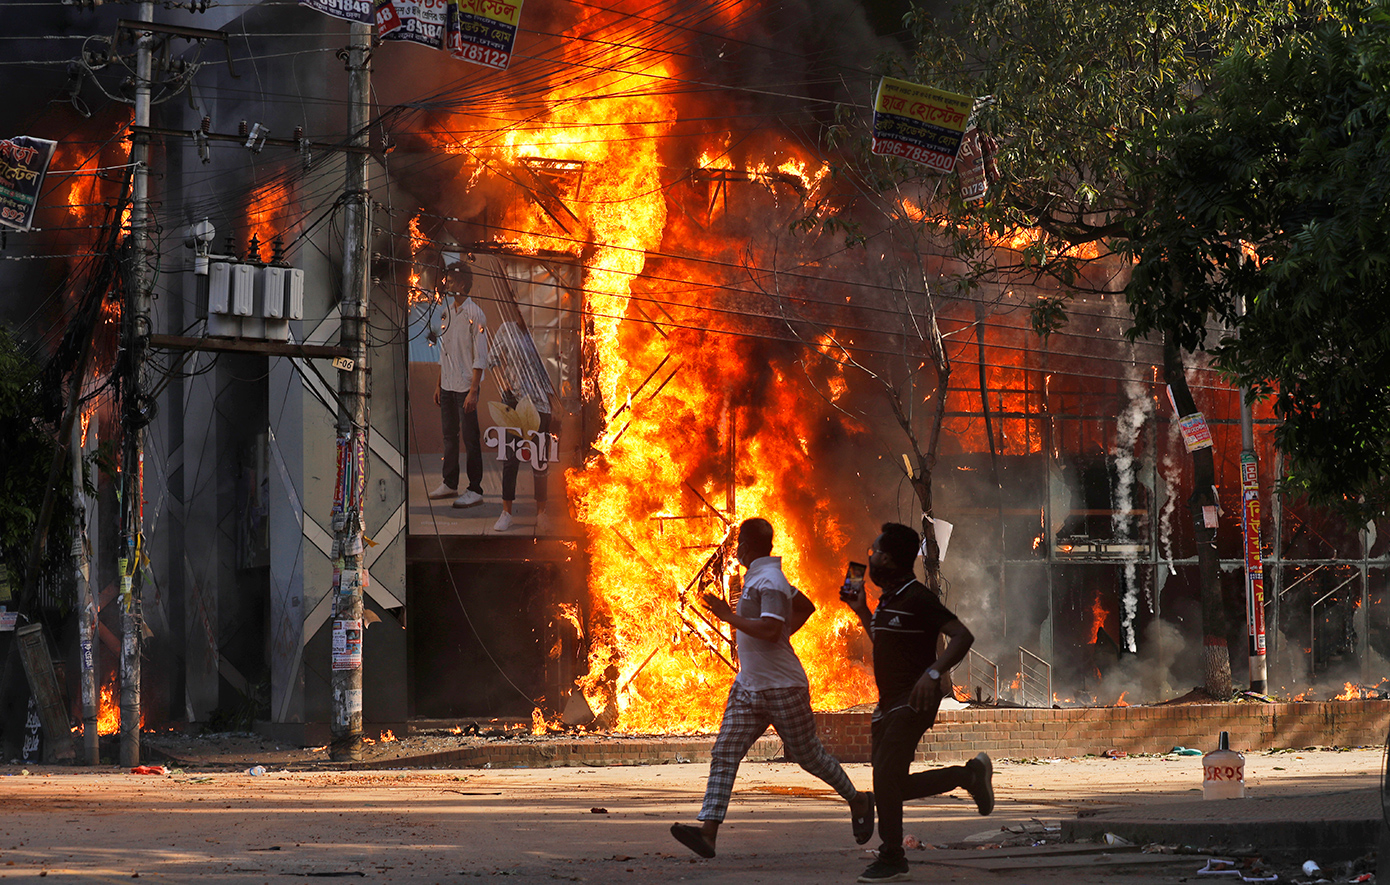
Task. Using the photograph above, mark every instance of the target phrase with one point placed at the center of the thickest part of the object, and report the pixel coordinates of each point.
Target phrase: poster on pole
(347, 644)
(1254, 568)
(919, 123)
(23, 165)
(1195, 432)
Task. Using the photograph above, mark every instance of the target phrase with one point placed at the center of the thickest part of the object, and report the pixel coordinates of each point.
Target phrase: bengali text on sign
(919, 123)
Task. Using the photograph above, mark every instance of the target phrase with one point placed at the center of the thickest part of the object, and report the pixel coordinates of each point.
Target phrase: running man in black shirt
(911, 682)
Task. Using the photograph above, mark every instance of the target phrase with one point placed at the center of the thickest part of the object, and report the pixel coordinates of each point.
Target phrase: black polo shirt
(906, 625)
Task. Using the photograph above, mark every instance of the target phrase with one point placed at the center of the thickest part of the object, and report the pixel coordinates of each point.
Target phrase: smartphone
(854, 581)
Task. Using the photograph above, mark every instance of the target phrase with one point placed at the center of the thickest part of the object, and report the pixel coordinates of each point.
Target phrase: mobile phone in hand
(853, 588)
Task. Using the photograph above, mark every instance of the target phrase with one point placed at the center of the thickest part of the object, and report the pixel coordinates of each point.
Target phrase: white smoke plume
(1127, 427)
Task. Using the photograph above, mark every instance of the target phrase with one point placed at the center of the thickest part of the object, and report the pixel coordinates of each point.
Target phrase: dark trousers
(895, 737)
(453, 415)
(513, 463)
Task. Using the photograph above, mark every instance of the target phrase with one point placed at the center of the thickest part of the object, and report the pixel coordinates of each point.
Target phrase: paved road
(605, 825)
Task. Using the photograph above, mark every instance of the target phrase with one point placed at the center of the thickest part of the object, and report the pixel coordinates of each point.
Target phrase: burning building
(679, 341)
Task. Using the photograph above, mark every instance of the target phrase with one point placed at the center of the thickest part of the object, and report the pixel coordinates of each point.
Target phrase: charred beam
(232, 345)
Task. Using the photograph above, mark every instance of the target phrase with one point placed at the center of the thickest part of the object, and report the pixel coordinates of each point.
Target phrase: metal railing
(988, 676)
(1313, 621)
(1034, 679)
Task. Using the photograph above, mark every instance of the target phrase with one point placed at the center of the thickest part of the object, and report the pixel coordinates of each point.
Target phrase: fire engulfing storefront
(664, 346)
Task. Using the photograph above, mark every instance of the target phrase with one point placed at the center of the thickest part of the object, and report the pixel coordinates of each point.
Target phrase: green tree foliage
(1278, 194)
(26, 455)
(1080, 89)
(1082, 95)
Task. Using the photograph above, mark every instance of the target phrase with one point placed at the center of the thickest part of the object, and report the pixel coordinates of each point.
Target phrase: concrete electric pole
(348, 563)
(136, 335)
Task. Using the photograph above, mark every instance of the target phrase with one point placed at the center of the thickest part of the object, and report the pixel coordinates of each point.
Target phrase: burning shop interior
(673, 349)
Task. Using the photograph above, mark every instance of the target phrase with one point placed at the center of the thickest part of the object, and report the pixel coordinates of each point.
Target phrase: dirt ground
(215, 823)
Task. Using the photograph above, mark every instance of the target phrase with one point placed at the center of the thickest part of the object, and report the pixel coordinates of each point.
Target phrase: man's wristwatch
(934, 673)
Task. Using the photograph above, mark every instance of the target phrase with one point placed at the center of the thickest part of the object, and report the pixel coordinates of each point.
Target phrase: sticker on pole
(347, 644)
(1195, 432)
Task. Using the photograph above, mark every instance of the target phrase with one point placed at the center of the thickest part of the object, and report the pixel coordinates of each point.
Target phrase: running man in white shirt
(770, 689)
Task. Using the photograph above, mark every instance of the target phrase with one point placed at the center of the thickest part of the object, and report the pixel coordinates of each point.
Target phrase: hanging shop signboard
(483, 31)
(23, 164)
(919, 123)
(479, 31)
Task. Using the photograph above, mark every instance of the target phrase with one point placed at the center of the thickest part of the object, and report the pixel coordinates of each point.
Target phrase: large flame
(704, 426)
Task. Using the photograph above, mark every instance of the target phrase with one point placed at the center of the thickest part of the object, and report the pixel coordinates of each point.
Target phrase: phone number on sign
(492, 58)
(929, 158)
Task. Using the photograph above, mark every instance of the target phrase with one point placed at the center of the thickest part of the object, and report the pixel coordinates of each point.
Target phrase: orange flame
(109, 712)
(268, 212)
(1350, 692)
(656, 496)
(1098, 616)
(418, 241)
(109, 708)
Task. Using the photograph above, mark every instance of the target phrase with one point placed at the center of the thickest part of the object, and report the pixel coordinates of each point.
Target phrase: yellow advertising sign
(919, 123)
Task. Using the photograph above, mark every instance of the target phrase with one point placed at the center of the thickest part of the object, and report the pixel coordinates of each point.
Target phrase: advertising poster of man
(493, 352)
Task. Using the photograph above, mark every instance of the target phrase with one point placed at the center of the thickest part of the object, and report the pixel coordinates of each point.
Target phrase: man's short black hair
(755, 536)
(464, 272)
(901, 543)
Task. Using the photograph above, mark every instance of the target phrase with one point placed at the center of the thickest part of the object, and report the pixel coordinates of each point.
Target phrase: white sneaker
(443, 491)
(544, 524)
(469, 498)
(503, 523)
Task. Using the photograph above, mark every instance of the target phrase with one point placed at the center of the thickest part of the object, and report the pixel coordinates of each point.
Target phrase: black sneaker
(981, 786)
(886, 871)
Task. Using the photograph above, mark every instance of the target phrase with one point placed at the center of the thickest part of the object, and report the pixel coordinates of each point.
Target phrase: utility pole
(1250, 537)
(348, 564)
(136, 336)
(88, 641)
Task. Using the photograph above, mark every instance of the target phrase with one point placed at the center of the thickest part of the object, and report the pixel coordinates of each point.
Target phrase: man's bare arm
(927, 690)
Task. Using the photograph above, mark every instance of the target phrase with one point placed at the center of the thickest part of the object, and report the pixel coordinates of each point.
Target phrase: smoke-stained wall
(255, 435)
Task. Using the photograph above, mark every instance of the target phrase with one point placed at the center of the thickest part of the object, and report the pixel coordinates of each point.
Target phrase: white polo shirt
(767, 663)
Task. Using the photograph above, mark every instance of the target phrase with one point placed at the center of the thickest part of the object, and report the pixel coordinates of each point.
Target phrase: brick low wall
(1026, 733)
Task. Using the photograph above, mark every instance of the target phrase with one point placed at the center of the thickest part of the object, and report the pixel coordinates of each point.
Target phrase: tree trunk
(926, 459)
(1203, 508)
